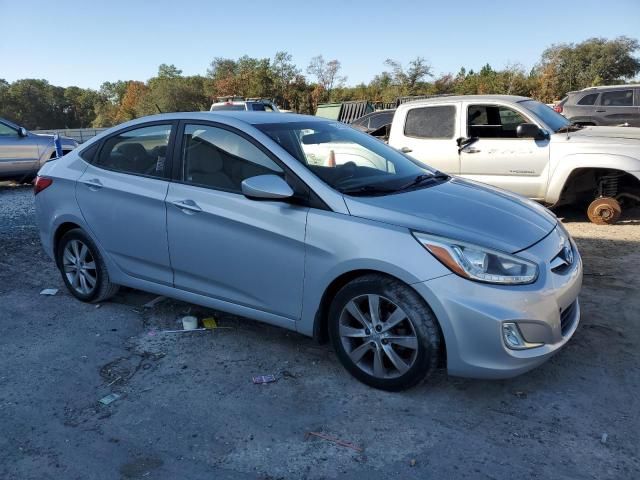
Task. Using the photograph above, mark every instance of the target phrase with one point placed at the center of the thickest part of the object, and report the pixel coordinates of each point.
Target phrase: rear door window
(140, 151)
(617, 98)
(431, 122)
(588, 99)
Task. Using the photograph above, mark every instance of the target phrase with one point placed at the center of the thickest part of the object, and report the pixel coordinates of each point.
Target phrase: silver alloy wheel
(378, 336)
(79, 267)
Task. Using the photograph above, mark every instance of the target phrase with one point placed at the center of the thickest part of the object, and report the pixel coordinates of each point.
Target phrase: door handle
(471, 150)
(600, 111)
(406, 150)
(93, 184)
(187, 206)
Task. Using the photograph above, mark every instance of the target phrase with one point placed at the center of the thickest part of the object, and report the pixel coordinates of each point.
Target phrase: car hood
(604, 134)
(462, 210)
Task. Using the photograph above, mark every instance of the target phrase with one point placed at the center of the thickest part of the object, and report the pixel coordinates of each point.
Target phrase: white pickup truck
(522, 145)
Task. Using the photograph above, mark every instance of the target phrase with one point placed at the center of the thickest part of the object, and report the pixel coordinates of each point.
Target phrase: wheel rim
(79, 267)
(378, 336)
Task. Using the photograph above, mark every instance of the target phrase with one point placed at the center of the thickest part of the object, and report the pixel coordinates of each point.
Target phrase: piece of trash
(112, 397)
(209, 323)
(264, 379)
(520, 394)
(119, 378)
(98, 306)
(412, 462)
(337, 441)
(154, 302)
(49, 291)
(603, 438)
(184, 331)
(189, 322)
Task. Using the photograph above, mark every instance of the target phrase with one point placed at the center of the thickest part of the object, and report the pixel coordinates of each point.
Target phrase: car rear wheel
(83, 269)
(384, 333)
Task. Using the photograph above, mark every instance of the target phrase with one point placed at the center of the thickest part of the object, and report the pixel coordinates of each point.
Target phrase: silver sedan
(22, 152)
(402, 267)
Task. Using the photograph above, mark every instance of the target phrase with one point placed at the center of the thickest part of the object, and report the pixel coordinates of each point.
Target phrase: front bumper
(471, 316)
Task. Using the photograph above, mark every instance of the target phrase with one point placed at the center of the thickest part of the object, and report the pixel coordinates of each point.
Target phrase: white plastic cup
(189, 323)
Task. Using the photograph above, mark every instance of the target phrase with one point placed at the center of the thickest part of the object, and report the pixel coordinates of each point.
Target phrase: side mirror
(22, 132)
(529, 130)
(266, 187)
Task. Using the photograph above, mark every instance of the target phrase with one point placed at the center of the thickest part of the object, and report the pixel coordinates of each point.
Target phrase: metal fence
(81, 135)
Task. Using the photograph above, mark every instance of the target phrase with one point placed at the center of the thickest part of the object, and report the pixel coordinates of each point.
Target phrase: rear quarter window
(431, 122)
(588, 99)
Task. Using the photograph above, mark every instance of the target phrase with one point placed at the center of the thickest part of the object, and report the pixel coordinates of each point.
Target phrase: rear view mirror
(22, 132)
(530, 130)
(266, 187)
(315, 138)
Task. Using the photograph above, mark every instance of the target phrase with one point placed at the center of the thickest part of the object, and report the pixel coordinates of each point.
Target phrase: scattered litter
(264, 379)
(189, 322)
(209, 323)
(154, 302)
(520, 394)
(119, 378)
(183, 331)
(112, 397)
(412, 462)
(603, 438)
(49, 291)
(337, 441)
(98, 306)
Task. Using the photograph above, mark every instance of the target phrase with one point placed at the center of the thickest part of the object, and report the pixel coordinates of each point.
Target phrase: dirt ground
(188, 407)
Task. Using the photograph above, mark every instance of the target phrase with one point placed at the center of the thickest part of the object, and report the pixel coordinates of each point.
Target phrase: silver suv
(614, 105)
(22, 153)
(401, 266)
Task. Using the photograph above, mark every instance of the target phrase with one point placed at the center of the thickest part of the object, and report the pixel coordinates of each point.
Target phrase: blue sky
(100, 41)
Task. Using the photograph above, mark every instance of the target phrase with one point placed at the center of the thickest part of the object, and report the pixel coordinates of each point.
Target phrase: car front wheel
(83, 269)
(384, 333)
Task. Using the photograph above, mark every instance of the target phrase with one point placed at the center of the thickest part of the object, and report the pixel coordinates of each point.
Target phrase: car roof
(604, 87)
(245, 116)
(460, 98)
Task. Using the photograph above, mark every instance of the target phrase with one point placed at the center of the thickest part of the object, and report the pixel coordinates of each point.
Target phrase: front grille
(567, 318)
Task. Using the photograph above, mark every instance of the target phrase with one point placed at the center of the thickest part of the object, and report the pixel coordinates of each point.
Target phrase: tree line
(35, 103)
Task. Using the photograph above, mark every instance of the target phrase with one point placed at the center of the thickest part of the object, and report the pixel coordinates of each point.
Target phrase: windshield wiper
(572, 127)
(424, 177)
(367, 189)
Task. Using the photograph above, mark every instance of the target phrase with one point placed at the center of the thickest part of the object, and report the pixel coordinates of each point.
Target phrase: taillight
(558, 108)
(40, 184)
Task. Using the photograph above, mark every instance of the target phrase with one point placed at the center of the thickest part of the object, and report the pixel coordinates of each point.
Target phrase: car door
(122, 195)
(617, 108)
(224, 245)
(18, 155)
(429, 135)
(495, 155)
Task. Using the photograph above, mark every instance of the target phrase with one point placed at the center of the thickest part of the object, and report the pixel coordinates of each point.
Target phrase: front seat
(205, 166)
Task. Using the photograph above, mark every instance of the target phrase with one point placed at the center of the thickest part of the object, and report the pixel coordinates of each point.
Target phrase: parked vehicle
(239, 104)
(400, 265)
(22, 153)
(524, 146)
(376, 123)
(345, 112)
(613, 105)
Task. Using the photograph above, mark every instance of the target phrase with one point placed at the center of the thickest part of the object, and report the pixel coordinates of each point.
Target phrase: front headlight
(479, 263)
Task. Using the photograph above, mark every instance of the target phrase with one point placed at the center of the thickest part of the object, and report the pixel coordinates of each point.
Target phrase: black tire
(423, 323)
(103, 289)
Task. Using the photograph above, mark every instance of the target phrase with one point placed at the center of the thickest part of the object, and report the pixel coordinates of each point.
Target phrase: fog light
(513, 338)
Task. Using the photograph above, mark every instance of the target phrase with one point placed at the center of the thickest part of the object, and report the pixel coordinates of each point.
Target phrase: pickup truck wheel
(604, 211)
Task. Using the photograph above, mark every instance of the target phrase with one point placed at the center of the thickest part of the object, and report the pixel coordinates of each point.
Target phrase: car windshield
(553, 119)
(352, 162)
